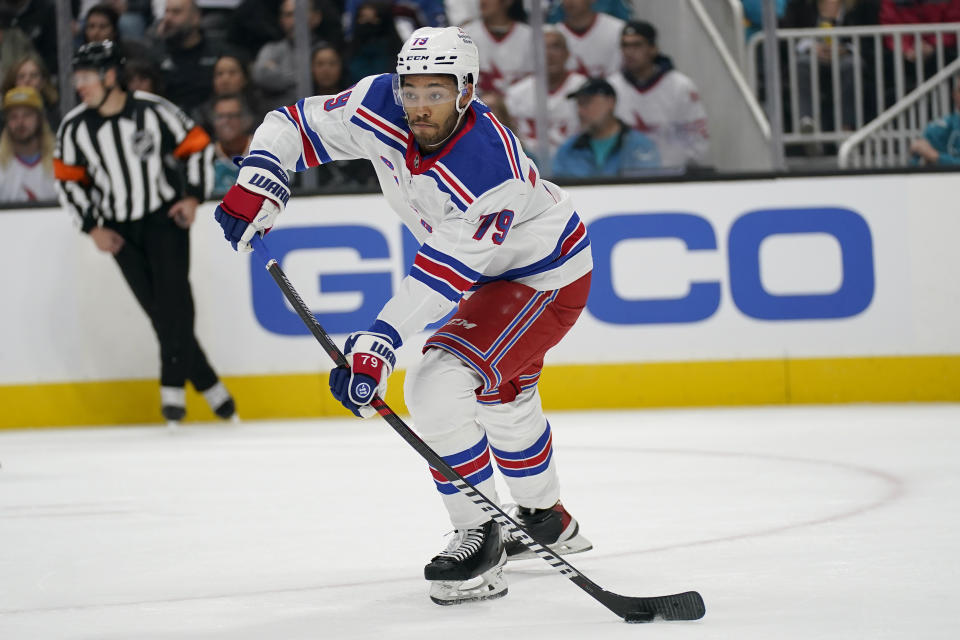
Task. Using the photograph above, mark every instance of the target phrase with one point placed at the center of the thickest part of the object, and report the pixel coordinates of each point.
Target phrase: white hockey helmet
(435, 50)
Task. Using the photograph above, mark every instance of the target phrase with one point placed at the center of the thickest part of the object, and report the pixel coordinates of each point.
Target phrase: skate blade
(488, 586)
(576, 544)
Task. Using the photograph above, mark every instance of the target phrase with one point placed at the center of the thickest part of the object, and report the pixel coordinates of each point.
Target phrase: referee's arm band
(196, 141)
(69, 173)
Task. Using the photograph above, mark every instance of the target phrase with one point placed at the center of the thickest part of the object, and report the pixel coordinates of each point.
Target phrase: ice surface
(815, 522)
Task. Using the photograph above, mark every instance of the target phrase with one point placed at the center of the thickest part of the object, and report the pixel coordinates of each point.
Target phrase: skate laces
(512, 509)
(465, 543)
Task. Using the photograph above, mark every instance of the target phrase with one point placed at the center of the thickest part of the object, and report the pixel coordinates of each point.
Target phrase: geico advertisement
(681, 272)
(851, 266)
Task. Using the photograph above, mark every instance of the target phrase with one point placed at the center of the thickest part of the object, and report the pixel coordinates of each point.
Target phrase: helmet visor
(432, 93)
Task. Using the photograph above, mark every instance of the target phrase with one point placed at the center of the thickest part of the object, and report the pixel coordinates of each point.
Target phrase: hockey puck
(638, 616)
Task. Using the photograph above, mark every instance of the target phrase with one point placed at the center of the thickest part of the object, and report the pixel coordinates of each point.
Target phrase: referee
(132, 167)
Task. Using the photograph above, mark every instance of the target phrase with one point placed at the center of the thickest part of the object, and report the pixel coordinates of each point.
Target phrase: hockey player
(498, 241)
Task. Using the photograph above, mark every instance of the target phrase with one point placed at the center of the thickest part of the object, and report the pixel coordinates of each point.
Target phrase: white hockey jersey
(477, 206)
(596, 51)
(670, 112)
(23, 182)
(562, 120)
(503, 59)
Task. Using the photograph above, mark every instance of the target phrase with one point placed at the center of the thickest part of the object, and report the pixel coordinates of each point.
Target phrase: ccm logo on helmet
(418, 57)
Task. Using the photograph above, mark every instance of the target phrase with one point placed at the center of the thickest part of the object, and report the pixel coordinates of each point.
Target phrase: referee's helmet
(97, 55)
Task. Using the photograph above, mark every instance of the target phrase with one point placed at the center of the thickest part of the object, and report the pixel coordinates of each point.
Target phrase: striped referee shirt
(125, 166)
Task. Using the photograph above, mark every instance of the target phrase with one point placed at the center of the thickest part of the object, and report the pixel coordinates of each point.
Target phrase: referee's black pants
(155, 261)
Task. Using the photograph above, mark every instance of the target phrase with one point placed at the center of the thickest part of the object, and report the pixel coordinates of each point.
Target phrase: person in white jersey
(26, 149)
(499, 244)
(658, 100)
(592, 39)
(562, 119)
(504, 44)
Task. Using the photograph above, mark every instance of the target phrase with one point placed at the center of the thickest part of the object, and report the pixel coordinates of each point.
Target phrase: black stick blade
(679, 606)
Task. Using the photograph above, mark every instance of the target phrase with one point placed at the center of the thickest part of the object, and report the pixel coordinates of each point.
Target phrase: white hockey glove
(372, 359)
(254, 202)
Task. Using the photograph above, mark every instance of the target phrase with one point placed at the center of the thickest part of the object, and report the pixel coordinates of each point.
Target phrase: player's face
(89, 86)
(638, 53)
(430, 102)
(23, 123)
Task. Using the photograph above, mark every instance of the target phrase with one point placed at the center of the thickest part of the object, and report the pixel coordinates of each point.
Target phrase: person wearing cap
(26, 149)
(658, 100)
(606, 147)
(499, 247)
(132, 169)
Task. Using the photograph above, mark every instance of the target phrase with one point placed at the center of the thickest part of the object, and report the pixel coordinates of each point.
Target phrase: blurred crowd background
(617, 105)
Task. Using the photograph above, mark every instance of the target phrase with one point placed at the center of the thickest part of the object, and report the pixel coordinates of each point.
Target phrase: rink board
(840, 289)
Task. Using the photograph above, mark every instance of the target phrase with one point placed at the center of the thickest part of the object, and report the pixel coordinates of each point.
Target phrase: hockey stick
(680, 606)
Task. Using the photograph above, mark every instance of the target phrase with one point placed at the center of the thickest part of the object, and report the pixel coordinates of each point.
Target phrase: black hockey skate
(470, 568)
(221, 402)
(554, 528)
(173, 413)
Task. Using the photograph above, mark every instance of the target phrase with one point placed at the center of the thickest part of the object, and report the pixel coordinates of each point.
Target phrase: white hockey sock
(173, 397)
(216, 395)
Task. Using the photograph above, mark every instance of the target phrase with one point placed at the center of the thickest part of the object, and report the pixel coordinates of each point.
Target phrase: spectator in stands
(143, 75)
(505, 45)
(328, 79)
(30, 72)
(592, 39)
(253, 24)
(233, 122)
(326, 68)
(37, 19)
(460, 12)
(133, 16)
(607, 147)
(816, 54)
(26, 149)
(274, 71)
(230, 77)
(753, 15)
(102, 22)
(186, 55)
(521, 101)
(375, 42)
(940, 144)
(904, 12)
(14, 44)
(658, 100)
(616, 8)
(898, 12)
(407, 15)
